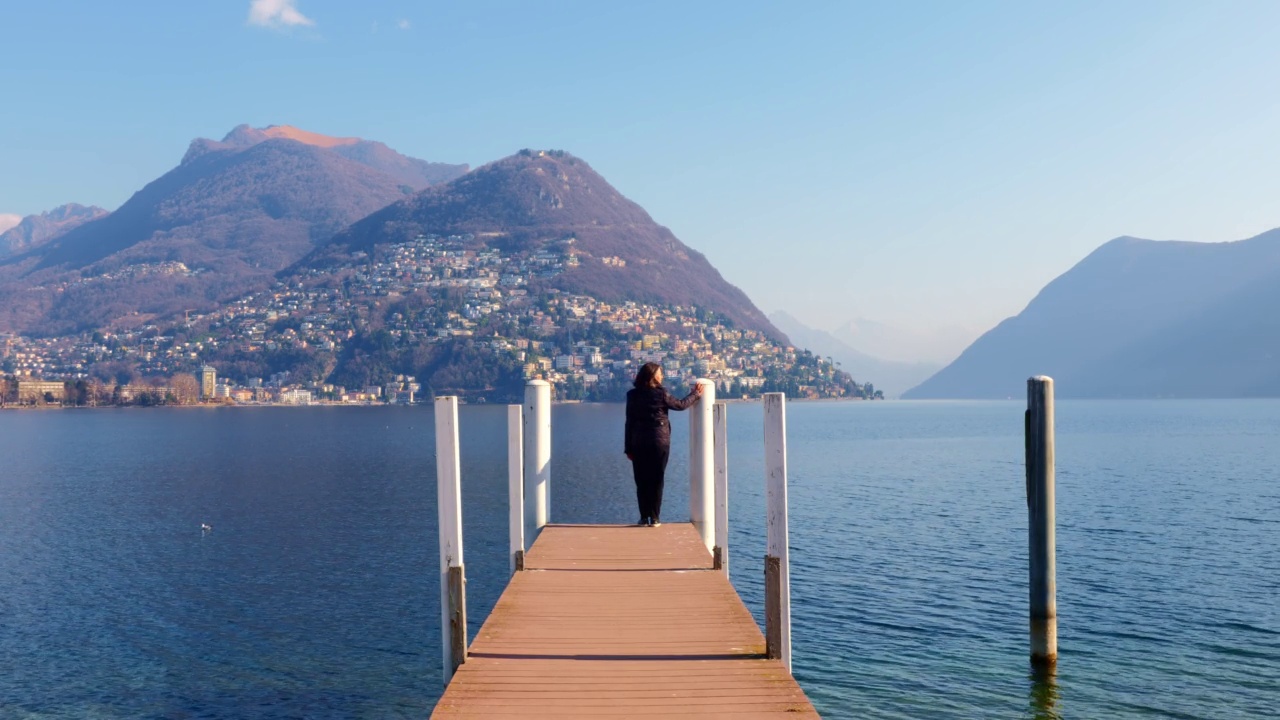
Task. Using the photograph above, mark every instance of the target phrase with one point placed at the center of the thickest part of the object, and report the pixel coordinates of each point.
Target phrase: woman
(648, 437)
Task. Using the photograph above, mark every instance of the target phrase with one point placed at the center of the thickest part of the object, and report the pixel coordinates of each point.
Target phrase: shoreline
(220, 406)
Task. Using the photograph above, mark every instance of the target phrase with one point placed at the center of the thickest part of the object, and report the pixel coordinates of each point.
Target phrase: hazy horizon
(927, 166)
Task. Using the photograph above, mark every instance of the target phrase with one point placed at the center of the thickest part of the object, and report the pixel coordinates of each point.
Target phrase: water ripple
(314, 596)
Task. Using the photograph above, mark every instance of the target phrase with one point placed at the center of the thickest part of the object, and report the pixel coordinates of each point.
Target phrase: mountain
(1138, 318)
(542, 199)
(413, 172)
(888, 376)
(936, 347)
(35, 230)
(220, 225)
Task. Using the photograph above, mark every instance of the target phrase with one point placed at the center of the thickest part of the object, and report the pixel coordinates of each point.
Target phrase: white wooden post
(777, 569)
(537, 451)
(721, 422)
(1041, 521)
(515, 485)
(702, 510)
(453, 598)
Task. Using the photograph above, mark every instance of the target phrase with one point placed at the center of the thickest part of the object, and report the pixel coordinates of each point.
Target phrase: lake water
(314, 595)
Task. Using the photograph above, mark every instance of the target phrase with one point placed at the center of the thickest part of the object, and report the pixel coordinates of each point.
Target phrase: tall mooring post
(720, 419)
(777, 568)
(537, 451)
(702, 510)
(515, 486)
(1041, 521)
(453, 586)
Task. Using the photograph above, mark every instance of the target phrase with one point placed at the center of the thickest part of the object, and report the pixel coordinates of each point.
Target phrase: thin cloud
(277, 14)
(8, 220)
(403, 24)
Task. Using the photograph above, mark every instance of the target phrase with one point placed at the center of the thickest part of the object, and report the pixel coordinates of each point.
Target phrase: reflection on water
(1044, 699)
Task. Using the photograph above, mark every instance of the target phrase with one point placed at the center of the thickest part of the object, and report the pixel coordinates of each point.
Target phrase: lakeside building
(296, 397)
(35, 391)
(208, 382)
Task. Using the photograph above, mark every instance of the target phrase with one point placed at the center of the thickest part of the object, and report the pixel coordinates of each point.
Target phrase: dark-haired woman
(648, 437)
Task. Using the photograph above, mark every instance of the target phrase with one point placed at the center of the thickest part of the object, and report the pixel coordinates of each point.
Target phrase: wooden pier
(610, 621)
(621, 621)
(617, 620)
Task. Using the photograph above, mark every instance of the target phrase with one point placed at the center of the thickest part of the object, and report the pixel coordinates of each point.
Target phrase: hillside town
(328, 334)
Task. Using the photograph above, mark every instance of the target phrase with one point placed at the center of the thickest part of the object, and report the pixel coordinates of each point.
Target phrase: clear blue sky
(922, 164)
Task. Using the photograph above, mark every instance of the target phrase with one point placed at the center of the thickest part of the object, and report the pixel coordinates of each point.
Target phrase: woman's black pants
(650, 468)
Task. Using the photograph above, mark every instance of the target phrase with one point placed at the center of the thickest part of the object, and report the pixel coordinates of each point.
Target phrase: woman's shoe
(655, 523)
(643, 522)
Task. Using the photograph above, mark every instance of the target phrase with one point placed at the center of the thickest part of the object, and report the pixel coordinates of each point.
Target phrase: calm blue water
(314, 595)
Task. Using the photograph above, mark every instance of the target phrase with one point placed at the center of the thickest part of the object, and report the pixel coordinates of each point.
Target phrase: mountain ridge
(222, 222)
(534, 198)
(1137, 318)
(33, 231)
(890, 376)
(886, 342)
(277, 258)
(411, 171)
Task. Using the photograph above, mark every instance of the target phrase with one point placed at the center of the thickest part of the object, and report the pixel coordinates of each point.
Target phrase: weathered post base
(458, 615)
(772, 607)
(1044, 641)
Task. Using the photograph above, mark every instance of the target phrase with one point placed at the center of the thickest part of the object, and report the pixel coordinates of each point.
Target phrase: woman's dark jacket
(647, 424)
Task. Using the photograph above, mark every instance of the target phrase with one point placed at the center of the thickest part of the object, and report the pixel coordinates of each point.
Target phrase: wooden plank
(618, 547)
(515, 486)
(449, 503)
(720, 431)
(777, 595)
(772, 607)
(457, 616)
(537, 453)
(617, 621)
(702, 508)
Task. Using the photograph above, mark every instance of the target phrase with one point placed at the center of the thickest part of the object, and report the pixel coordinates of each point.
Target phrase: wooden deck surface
(615, 621)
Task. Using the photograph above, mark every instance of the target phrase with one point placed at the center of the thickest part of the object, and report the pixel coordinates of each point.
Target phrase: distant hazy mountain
(537, 199)
(891, 377)
(936, 347)
(233, 213)
(8, 220)
(1138, 318)
(33, 231)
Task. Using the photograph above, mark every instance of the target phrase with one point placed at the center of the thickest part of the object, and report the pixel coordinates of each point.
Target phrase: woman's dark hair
(648, 376)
